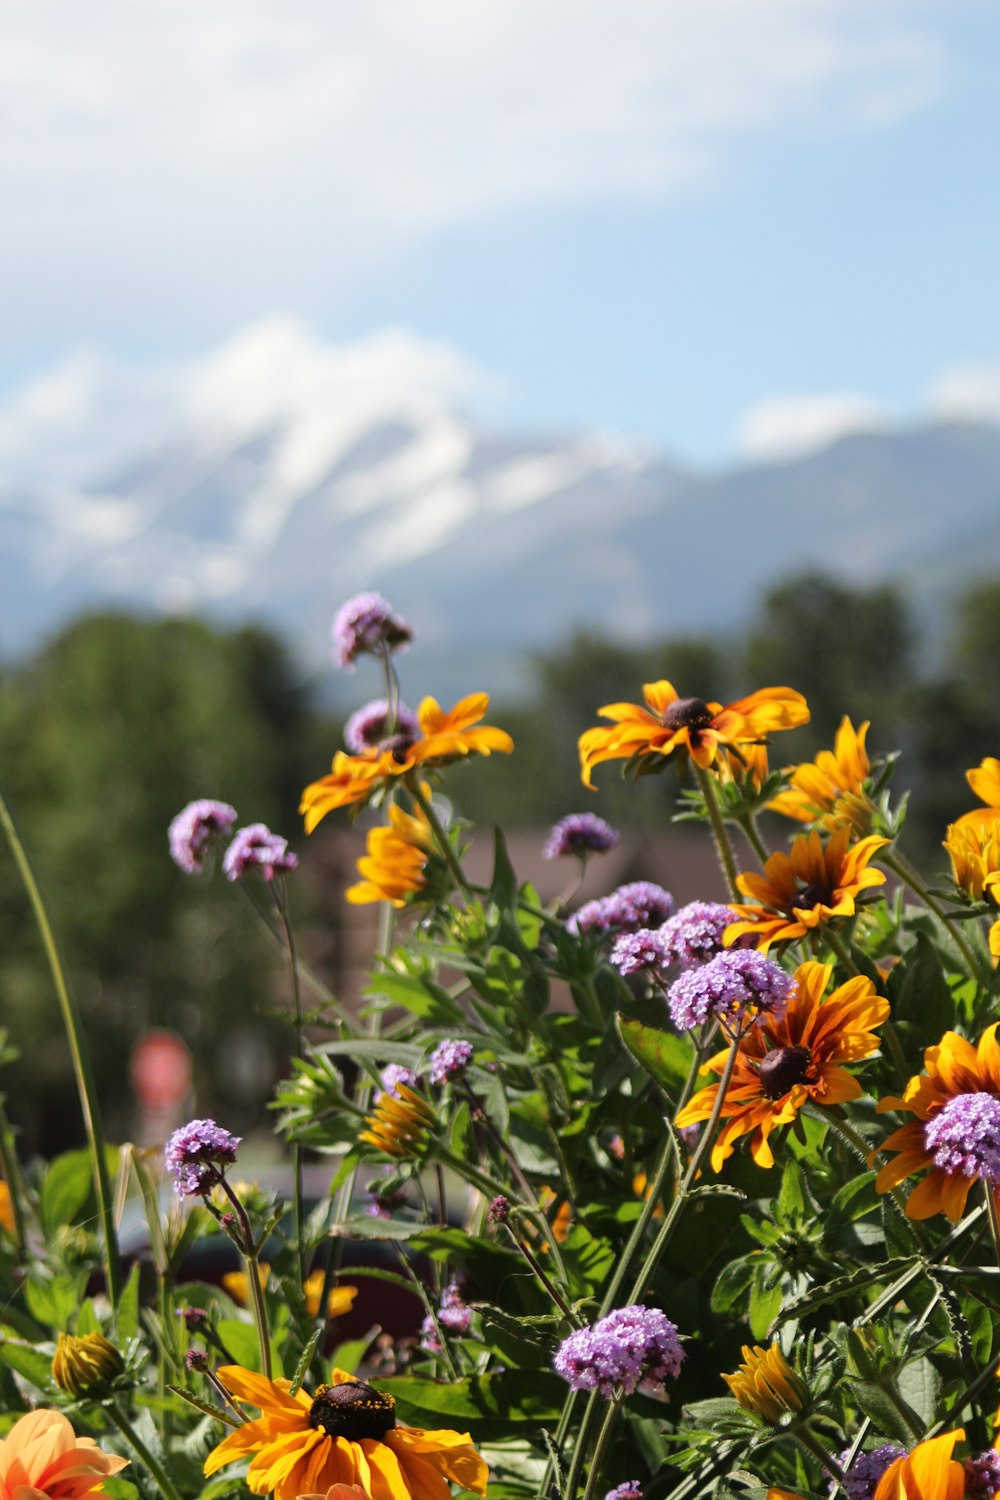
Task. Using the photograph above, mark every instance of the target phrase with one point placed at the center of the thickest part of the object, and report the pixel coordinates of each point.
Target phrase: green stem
(901, 866)
(298, 1211)
(130, 1435)
(805, 1435)
(748, 823)
(543, 1278)
(250, 1254)
(991, 1208)
(725, 849)
(601, 1447)
(81, 1061)
(444, 843)
(842, 953)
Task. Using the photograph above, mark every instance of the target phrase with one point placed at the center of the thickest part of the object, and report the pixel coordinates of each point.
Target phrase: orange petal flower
(985, 782)
(670, 722)
(398, 1123)
(393, 866)
(784, 1062)
(955, 1137)
(974, 851)
(830, 789)
(928, 1473)
(346, 1434)
(802, 890)
(42, 1455)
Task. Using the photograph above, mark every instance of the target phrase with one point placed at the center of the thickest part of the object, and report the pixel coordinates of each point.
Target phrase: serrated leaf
(842, 1286)
(765, 1301)
(376, 1229)
(889, 1414)
(305, 1359)
(666, 1057)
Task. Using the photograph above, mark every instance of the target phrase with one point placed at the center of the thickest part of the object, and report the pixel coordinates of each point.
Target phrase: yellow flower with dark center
(928, 1473)
(788, 1060)
(955, 1137)
(41, 1458)
(399, 1123)
(85, 1365)
(803, 890)
(670, 722)
(765, 1383)
(444, 737)
(831, 789)
(346, 1434)
(339, 1301)
(394, 864)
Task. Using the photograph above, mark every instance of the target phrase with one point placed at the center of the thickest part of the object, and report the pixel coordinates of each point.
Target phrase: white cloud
(784, 427)
(968, 392)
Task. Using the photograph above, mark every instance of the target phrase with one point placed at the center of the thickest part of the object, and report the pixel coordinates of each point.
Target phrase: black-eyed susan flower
(85, 1364)
(42, 1457)
(671, 723)
(928, 1473)
(974, 851)
(344, 1434)
(955, 1137)
(393, 866)
(831, 789)
(399, 1123)
(766, 1384)
(803, 890)
(791, 1059)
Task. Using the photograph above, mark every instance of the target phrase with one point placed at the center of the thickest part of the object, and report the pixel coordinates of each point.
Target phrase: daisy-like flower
(41, 1456)
(800, 891)
(195, 829)
(974, 851)
(928, 1473)
(985, 782)
(955, 1137)
(670, 722)
(340, 1299)
(831, 789)
(766, 1384)
(580, 834)
(6, 1208)
(367, 623)
(784, 1062)
(632, 1346)
(393, 867)
(444, 737)
(344, 1434)
(398, 1123)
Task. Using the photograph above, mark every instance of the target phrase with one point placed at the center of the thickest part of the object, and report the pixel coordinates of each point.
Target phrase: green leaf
(919, 1384)
(34, 1365)
(842, 1286)
(922, 994)
(792, 1199)
(376, 1229)
(55, 1301)
(128, 1307)
(68, 1188)
(348, 1355)
(503, 886)
(420, 997)
(765, 1300)
(889, 1414)
(489, 1406)
(241, 1340)
(305, 1358)
(666, 1057)
(732, 1281)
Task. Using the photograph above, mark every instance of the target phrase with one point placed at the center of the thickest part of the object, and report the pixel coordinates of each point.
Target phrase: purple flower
(642, 952)
(393, 1074)
(861, 1479)
(499, 1210)
(257, 848)
(194, 1317)
(630, 1347)
(630, 1490)
(198, 1153)
(964, 1136)
(365, 624)
(453, 1313)
(195, 828)
(982, 1473)
(580, 834)
(694, 934)
(736, 987)
(448, 1059)
(429, 1336)
(368, 728)
(628, 909)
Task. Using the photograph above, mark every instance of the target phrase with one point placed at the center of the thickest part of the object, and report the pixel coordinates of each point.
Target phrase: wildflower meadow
(697, 1200)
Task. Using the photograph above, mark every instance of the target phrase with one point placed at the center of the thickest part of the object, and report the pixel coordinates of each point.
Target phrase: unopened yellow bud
(766, 1384)
(84, 1366)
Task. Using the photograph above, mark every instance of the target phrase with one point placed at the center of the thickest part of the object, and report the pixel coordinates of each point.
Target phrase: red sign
(160, 1069)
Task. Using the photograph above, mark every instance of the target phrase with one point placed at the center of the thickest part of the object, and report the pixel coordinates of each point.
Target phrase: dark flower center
(782, 1068)
(399, 743)
(811, 895)
(352, 1410)
(687, 713)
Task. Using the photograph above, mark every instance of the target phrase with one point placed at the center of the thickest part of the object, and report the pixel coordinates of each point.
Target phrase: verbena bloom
(955, 1137)
(257, 848)
(580, 834)
(198, 1153)
(671, 723)
(766, 1384)
(393, 1074)
(982, 1473)
(368, 728)
(831, 789)
(453, 1314)
(398, 1124)
(367, 623)
(642, 952)
(640, 904)
(630, 1490)
(194, 830)
(448, 1060)
(84, 1364)
(805, 889)
(344, 1434)
(41, 1456)
(736, 988)
(861, 1479)
(789, 1060)
(694, 934)
(632, 1346)
(929, 1471)
(393, 866)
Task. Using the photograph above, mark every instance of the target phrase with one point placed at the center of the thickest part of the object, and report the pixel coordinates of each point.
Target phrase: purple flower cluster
(393, 1074)
(448, 1060)
(861, 1479)
(257, 848)
(628, 909)
(694, 934)
(642, 952)
(368, 727)
(453, 1314)
(965, 1137)
(195, 828)
(630, 1490)
(982, 1473)
(580, 834)
(632, 1346)
(197, 1153)
(736, 987)
(365, 624)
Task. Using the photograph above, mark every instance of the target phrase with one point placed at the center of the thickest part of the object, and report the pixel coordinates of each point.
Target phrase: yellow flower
(670, 722)
(928, 1473)
(830, 789)
(340, 1300)
(41, 1456)
(765, 1383)
(346, 1434)
(6, 1208)
(985, 782)
(974, 851)
(444, 737)
(394, 865)
(237, 1283)
(806, 888)
(83, 1366)
(398, 1123)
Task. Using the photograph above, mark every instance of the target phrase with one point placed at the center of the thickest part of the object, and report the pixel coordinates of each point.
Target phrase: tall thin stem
(250, 1253)
(601, 1446)
(725, 849)
(298, 1211)
(443, 841)
(154, 1466)
(901, 866)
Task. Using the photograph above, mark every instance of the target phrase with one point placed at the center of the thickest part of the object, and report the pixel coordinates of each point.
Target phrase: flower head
(861, 1479)
(671, 723)
(630, 1490)
(765, 1383)
(41, 1456)
(344, 1434)
(340, 1299)
(632, 1346)
(738, 987)
(195, 828)
(955, 1137)
(694, 934)
(807, 888)
(640, 904)
(788, 1060)
(368, 728)
(367, 623)
(397, 855)
(985, 782)
(398, 1124)
(448, 1060)
(198, 1153)
(257, 848)
(580, 834)
(982, 1473)
(831, 789)
(642, 952)
(974, 851)
(84, 1365)
(393, 1074)
(928, 1473)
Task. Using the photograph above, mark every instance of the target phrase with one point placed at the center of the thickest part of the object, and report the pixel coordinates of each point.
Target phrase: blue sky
(725, 225)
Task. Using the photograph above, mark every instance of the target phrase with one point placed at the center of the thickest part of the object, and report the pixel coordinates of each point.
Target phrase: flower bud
(766, 1384)
(85, 1365)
